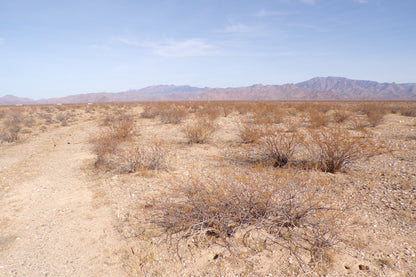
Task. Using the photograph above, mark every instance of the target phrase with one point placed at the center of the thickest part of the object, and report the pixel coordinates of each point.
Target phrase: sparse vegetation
(198, 131)
(260, 198)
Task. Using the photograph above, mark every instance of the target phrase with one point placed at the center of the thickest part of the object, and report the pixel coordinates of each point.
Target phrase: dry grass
(199, 131)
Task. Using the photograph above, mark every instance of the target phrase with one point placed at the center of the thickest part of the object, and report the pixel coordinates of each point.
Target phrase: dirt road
(50, 224)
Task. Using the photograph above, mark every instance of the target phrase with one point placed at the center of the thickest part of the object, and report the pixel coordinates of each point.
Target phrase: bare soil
(50, 223)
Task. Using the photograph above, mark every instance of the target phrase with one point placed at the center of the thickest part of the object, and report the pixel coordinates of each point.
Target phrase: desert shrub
(375, 117)
(121, 127)
(107, 141)
(11, 126)
(63, 118)
(333, 149)
(340, 116)
(149, 111)
(317, 118)
(29, 122)
(172, 114)
(356, 123)
(104, 145)
(408, 112)
(10, 134)
(210, 110)
(249, 209)
(276, 147)
(249, 132)
(143, 157)
(198, 131)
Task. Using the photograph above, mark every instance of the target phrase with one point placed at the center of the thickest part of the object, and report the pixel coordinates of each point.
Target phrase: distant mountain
(259, 93)
(319, 88)
(14, 100)
(360, 89)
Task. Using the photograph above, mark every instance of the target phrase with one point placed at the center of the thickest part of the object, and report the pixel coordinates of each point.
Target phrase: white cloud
(172, 48)
(186, 48)
(237, 28)
(361, 1)
(309, 2)
(267, 13)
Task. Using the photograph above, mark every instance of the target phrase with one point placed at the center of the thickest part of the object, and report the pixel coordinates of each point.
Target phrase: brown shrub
(199, 131)
(249, 132)
(408, 112)
(173, 114)
(333, 149)
(104, 145)
(143, 157)
(121, 127)
(375, 117)
(340, 116)
(149, 111)
(276, 147)
(249, 209)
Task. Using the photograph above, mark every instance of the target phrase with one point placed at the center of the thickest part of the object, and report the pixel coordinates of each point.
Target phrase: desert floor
(69, 206)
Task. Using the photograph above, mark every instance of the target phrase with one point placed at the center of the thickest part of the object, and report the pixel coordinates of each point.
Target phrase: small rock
(363, 267)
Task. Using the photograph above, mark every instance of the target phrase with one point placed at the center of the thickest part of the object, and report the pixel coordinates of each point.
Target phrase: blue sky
(57, 48)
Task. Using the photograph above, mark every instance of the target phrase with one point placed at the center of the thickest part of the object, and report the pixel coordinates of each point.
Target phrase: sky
(51, 48)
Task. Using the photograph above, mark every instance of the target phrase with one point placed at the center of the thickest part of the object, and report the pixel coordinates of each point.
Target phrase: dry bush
(149, 111)
(250, 210)
(276, 147)
(121, 127)
(333, 149)
(172, 114)
(29, 122)
(317, 118)
(375, 117)
(198, 131)
(249, 132)
(117, 130)
(143, 157)
(10, 134)
(210, 110)
(340, 116)
(269, 112)
(11, 126)
(63, 117)
(104, 145)
(408, 112)
(356, 123)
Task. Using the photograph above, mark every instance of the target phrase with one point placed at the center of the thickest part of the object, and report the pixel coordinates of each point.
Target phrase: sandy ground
(50, 224)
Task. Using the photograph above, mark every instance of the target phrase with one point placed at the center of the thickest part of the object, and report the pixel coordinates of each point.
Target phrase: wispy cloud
(237, 28)
(268, 13)
(309, 2)
(174, 48)
(361, 1)
(186, 48)
(311, 27)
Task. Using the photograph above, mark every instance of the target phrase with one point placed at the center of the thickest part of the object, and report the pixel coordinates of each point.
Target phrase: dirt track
(50, 224)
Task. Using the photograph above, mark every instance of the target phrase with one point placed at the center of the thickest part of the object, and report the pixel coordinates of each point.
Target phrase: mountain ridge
(317, 88)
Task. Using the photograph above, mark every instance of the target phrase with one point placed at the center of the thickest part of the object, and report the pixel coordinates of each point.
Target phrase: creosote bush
(172, 114)
(198, 131)
(236, 209)
(276, 146)
(249, 132)
(143, 157)
(333, 149)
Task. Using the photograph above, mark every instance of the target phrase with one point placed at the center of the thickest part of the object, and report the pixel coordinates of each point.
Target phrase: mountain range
(319, 88)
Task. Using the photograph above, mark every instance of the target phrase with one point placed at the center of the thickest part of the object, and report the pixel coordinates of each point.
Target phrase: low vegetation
(251, 188)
